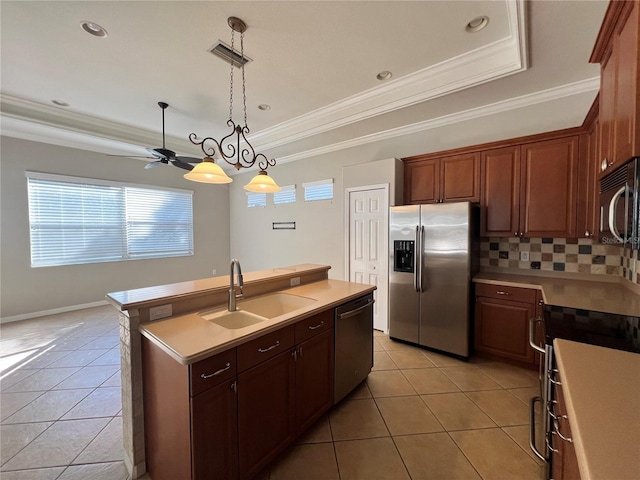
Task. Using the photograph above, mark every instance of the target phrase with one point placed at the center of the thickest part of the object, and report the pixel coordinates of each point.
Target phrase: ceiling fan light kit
(229, 147)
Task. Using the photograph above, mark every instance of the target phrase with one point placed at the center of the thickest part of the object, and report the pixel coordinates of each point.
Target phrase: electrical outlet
(295, 281)
(161, 311)
(214, 272)
(524, 256)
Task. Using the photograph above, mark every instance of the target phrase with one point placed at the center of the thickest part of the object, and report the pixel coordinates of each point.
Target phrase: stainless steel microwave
(619, 204)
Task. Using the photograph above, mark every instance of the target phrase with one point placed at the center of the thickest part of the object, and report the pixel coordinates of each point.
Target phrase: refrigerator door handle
(416, 270)
(420, 253)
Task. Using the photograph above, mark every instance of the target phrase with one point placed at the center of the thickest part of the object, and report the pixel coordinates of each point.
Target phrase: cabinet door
(607, 109)
(626, 46)
(214, 432)
(314, 379)
(460, 178)
(564, 462)
(500, 192)
(588, 187)
(422, 182)
(548, 199)
(266, 412)
(502, 328)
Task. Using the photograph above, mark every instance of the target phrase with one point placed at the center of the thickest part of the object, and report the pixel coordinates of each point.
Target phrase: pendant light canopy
(234, 148)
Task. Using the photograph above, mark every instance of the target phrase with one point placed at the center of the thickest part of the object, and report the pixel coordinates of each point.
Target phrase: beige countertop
(599, 296)
(189, 338)
(602, 391)
(166, 293)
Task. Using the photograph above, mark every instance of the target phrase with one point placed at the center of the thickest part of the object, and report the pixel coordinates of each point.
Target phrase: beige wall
(25, 290)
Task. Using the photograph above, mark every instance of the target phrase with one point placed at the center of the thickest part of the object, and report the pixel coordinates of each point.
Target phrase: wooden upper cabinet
(422, 181)
(500, 192)
(530, 190)
(588, 172)
(460, 178)
(549, 188)
(454, 178)
(617, 50)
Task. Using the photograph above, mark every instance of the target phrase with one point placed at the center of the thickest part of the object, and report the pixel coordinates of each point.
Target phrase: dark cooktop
(596, 328)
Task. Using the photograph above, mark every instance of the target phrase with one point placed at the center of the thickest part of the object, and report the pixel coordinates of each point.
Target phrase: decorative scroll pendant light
(234, 148)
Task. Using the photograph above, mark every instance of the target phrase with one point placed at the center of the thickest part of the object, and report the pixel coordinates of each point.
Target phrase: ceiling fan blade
(151, 165)
(161, 153)
(130, 156)
(179, 164)
(189, 159)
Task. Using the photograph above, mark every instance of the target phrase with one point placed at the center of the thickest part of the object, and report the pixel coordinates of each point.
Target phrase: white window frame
(100, 231)
(318, 190)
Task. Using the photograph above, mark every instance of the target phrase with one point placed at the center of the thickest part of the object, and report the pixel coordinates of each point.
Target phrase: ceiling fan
(163, 154)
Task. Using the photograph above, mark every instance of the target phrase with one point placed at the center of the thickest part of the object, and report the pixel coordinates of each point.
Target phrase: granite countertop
(189, 338)
(602, 391)
(598, 296)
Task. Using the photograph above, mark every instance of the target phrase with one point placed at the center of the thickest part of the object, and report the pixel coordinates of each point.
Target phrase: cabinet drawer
(212, 371)
(265, 347)
(311, 326)
(515, 294)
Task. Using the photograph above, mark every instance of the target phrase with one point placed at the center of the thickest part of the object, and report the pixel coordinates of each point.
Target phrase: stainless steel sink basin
(232, 320)
(274, 304)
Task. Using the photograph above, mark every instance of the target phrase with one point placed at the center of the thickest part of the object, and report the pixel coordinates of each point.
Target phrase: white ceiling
(313, 62)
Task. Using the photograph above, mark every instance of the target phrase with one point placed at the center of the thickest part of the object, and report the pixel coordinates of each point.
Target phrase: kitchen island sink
(275, 304)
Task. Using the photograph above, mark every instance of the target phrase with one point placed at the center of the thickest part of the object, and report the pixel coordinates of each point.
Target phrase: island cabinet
(229, 415)
(530, 190)
(617, 50)
(453, 178)
(502, 316)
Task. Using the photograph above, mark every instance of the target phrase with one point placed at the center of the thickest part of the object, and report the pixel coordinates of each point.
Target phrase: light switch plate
(524, 256)
(161, 311)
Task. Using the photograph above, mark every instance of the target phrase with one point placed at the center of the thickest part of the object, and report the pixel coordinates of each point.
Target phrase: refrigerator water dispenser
(403, 255)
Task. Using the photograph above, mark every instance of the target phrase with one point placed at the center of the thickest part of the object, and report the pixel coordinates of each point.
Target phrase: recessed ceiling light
(264, 107)
(385, 75)
(60, 103)
(477, 24)
(93, 29)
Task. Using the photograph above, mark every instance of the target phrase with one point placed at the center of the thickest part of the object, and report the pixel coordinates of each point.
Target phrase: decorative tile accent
(579, 255)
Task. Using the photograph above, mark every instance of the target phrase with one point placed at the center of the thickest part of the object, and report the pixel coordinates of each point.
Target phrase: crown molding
(499, 59)
(577, 88)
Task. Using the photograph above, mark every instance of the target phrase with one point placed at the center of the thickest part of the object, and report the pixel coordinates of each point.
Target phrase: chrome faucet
(232, 284)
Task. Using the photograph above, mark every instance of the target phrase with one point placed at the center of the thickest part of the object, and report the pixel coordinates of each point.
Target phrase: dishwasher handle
(532, 428)
(356, 311)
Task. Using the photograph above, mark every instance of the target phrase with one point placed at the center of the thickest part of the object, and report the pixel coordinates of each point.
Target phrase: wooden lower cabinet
(227, 416)
(314, 379)
(266, 412)
(214, 432)
(502, 316)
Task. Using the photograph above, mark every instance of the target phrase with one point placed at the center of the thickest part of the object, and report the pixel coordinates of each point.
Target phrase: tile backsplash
(577, 255)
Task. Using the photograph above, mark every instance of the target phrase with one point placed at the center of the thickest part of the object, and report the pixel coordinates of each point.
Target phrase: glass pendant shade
(208, 172)
(262, 183)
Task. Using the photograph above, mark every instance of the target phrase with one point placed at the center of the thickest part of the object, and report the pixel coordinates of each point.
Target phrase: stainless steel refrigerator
(434, 253)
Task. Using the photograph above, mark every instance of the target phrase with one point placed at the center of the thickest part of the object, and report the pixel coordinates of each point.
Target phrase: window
(79, 220)
(256, 199)
(320, 190)
(286, 195)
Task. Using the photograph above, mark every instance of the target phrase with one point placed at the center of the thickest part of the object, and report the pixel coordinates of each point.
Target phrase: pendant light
(234, 148)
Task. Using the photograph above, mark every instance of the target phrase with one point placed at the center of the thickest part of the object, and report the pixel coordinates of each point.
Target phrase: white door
(368, 224)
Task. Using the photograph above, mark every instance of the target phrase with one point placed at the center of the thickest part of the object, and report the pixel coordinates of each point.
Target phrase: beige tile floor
(419, 415)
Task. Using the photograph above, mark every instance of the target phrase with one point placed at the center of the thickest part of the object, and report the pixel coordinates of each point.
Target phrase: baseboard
(53, 311)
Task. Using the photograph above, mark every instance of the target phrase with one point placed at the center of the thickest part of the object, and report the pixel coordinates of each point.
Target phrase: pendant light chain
(244, 87)
(231, 78)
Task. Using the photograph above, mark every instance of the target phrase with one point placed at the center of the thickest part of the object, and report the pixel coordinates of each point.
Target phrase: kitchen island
(187, 338)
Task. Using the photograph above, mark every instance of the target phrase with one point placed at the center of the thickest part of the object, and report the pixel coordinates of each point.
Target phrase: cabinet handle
(532, 428)
(294, 354)
(234, 387)
(227, 367)
(551, 376)
(587, 233)
(300, 350)
(263, 350)
(317, 326)
(551, 413)
(502, 292)
(551, 449)
(515, 234)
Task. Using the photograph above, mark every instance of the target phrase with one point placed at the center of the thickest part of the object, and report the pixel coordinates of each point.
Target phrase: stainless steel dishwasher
(353, 344)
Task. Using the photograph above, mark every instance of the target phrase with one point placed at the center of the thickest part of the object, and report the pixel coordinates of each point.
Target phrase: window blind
(256, 199)
(77, 220)
(319, 190)
(286, 195)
